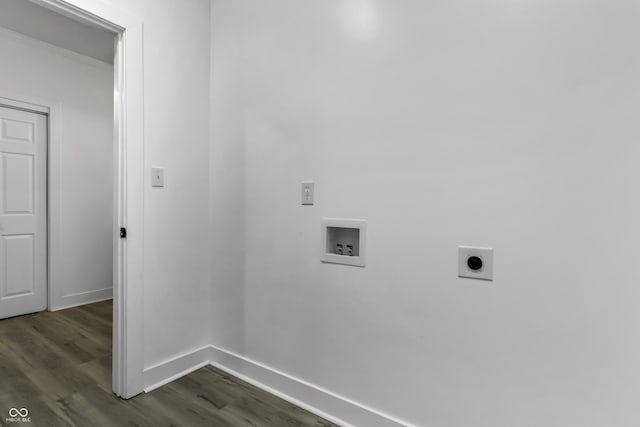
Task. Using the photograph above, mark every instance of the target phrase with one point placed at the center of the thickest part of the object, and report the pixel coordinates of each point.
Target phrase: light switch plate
(157, 177)
(308, 193)
(475, 263)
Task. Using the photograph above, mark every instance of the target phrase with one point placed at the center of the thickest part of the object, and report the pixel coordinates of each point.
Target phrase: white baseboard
(172, 369)
(324, 403)
(82, 298)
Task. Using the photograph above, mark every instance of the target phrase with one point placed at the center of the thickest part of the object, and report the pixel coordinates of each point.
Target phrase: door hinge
(123, 233)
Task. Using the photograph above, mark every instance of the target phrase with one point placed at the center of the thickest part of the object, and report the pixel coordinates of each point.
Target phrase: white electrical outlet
(157, 177)
(308, 193)
(475, 263)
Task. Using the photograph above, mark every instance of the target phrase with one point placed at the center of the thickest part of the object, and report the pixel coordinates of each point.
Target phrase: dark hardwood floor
(58, 366)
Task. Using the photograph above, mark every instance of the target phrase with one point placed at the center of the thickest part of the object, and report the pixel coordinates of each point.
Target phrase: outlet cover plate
(485, 254)
(308, 193)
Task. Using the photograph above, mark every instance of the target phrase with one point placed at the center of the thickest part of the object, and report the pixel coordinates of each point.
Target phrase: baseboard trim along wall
(177, 367)
(82, 298)
(324, 403)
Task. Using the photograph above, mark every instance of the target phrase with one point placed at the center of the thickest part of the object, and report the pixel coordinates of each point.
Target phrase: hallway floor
(58, 366)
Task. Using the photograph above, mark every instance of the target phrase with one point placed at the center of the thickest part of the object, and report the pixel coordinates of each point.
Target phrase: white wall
(512, 125)
(227, 159)
(177, 289)
(81, 258)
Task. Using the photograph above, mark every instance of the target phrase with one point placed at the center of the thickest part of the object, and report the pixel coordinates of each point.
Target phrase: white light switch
(307, 193)
(157, 177)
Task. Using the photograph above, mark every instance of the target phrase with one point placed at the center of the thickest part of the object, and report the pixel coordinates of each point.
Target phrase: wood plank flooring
(58, 366)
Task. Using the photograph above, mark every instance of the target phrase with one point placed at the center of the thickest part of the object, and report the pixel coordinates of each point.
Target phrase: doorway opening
(32, 123)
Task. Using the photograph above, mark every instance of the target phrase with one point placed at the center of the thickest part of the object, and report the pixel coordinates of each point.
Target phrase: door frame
(128, 361)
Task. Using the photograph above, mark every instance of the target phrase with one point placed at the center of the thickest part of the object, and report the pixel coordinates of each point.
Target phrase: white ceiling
(25, 17)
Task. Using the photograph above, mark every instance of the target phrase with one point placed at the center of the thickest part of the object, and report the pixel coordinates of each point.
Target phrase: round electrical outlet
(474, 263)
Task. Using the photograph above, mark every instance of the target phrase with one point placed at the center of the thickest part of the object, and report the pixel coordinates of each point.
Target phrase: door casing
(128, 362)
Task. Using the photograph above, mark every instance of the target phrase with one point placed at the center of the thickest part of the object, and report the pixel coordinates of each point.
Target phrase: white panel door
(23, 210)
